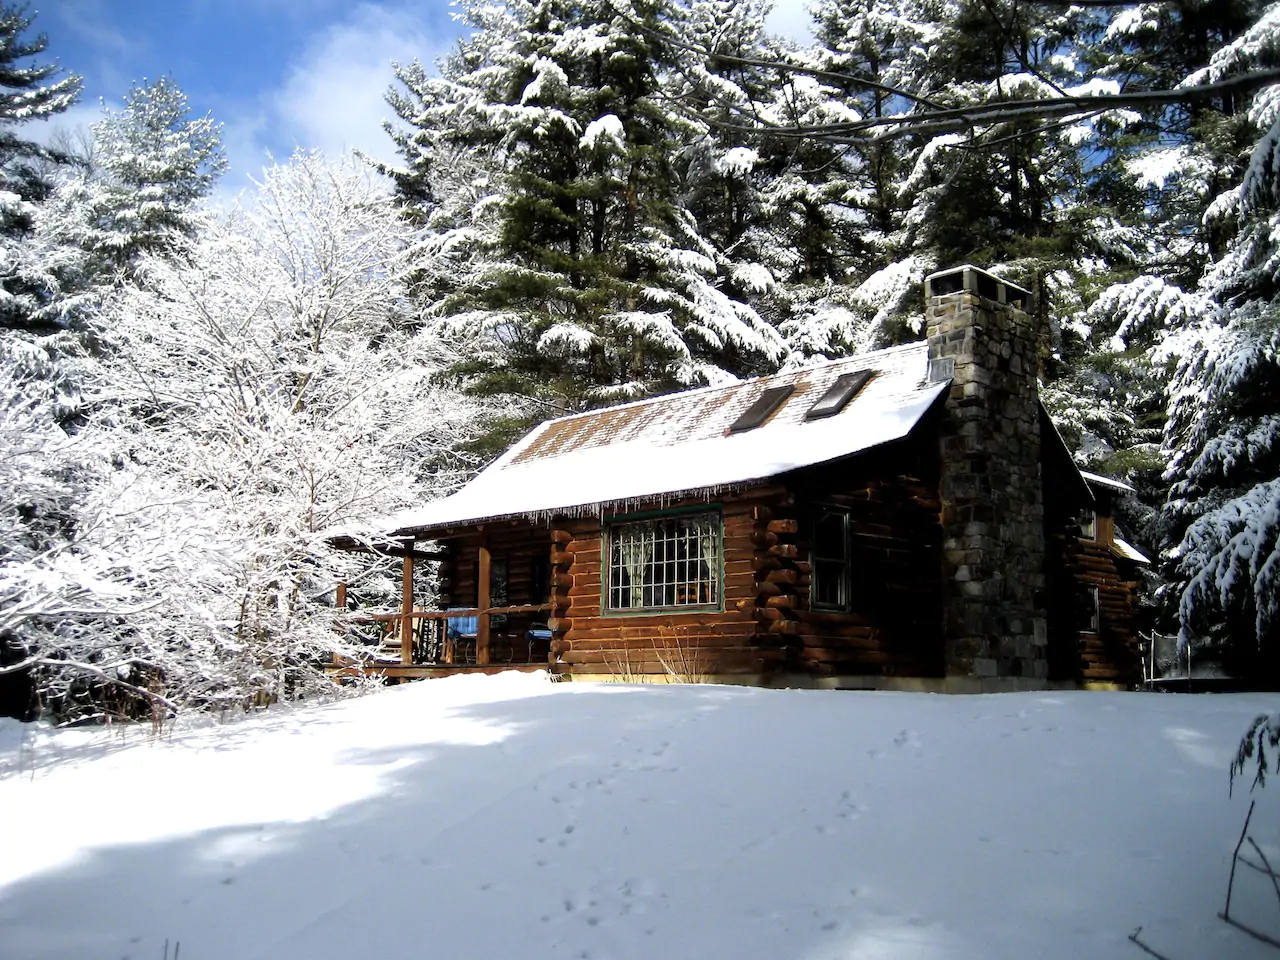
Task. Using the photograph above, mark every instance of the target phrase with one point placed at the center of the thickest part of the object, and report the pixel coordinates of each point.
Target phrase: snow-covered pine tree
(1223, 431)
(153, 164)
(590, 282)
(840, 203)
(28, 92)
(719, 173)
(1155, 174)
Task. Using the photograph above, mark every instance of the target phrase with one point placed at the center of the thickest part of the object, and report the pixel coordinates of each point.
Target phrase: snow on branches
(265, 389)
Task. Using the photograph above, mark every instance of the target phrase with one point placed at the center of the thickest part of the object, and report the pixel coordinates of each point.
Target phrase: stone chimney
(992, 495)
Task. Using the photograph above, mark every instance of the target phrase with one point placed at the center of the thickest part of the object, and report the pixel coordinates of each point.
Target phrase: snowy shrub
(258, 394)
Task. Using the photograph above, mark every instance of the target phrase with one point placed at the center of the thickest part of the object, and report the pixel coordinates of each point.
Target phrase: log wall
(1111, 653)
(693, 645)
(767, 626)
(895, 622)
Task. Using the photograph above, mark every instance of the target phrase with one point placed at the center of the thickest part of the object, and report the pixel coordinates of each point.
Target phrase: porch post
(339, 603)
(406, 606)
(482, 601)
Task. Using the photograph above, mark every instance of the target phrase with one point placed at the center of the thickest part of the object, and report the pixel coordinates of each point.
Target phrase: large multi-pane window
(832, 566)
(664, 563)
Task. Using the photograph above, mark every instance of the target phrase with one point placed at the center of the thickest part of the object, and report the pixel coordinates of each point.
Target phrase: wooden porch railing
(406, 621)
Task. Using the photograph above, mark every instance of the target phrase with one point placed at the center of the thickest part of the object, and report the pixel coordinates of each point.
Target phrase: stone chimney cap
(975, 280)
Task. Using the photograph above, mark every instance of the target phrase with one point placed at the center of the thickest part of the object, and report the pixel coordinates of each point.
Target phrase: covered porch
(495, 604)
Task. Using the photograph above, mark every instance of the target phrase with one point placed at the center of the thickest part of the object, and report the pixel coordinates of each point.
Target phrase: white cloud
(332, 95)
(790, 18)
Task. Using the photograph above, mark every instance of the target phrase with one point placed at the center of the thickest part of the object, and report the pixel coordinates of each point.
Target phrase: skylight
(760, 411)
(839, 394)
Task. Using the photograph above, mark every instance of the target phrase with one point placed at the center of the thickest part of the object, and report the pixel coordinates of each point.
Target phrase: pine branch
(954, 119)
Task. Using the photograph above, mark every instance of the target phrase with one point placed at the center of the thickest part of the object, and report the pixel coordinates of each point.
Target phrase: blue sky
(276, 73)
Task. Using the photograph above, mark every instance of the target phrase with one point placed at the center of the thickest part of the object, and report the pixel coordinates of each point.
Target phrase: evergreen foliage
(28, 92)
(153, 164)
(590, 281)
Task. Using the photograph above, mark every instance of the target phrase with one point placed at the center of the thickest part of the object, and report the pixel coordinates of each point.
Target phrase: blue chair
(461, 632)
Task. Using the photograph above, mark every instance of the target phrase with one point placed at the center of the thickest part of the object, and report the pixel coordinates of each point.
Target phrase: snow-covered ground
(508, 817)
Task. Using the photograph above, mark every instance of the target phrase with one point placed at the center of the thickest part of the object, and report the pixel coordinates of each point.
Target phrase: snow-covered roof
(681, 443)
(1129, 552)
(1110, 482)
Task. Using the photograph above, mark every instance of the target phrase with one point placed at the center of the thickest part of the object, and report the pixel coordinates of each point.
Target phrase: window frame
(845, 604)
(1091, 601)
(1087, 525)
(608, 534)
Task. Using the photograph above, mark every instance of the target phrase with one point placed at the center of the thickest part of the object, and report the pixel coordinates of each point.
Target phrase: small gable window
(665, 563)
(839, 394)
(832, 560)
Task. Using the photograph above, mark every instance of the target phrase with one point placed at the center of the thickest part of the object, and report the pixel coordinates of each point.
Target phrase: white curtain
(637, 552)
(709, 547)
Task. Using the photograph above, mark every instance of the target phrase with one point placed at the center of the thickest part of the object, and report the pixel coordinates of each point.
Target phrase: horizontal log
(583, 545)
(763, 540)
(559, 624)
(761, 513)
(789, 627)
(600, 629)
(770, 491)
(783, 601)
(561, 558)
(561, 537)
(781, 576)
(664, 642)
(767, 589)
(643, 669)
(696, 661)
(839, 656)
(770, 613)
(863, 640)
(788, 550)
(783, 526)
(832, 618)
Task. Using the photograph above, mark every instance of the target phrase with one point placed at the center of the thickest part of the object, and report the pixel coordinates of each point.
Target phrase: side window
(1087, 525)
(832, 573)
(1088, 616)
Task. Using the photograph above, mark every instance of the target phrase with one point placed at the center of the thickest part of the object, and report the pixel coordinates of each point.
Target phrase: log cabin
(906, 519)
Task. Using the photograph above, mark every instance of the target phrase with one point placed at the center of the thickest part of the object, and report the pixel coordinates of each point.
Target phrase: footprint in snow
(908, 738)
